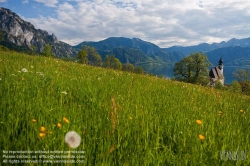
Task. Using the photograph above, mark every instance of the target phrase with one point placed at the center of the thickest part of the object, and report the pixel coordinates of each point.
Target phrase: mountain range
(135, 50)
(21, 35)
(204, 47)
(235, 52)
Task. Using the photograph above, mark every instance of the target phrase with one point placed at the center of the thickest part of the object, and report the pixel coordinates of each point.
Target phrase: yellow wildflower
(220, 113)
(199, 122)
(130, 118)
(59, 125)
(241, 111)
(42, 135)
(23, 79)
(34, 120)
(201, 137)
(42, 129)
(65, 120)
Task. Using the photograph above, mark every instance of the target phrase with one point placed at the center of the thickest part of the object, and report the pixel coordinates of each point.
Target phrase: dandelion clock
(73, 139)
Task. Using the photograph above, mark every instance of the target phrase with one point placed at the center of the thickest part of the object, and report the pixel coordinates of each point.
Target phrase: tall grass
(122, 118)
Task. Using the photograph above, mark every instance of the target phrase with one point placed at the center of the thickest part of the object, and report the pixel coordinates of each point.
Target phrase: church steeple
(221, 64)
(216, 74)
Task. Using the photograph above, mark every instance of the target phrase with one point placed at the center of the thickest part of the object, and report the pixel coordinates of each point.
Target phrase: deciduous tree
(83, 56)
(93, 56)
(193, 68)
(47, 51)
(242, 75)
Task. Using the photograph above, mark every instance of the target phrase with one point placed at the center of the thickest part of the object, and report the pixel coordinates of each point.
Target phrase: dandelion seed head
(24, 70)
(73, 139)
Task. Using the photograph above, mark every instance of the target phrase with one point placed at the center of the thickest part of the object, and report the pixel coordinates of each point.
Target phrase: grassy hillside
(122, 118)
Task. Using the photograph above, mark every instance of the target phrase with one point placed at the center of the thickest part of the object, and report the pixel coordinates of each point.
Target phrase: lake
(166, 70)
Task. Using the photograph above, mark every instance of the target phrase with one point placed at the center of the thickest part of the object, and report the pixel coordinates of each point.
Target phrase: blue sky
(163, 22)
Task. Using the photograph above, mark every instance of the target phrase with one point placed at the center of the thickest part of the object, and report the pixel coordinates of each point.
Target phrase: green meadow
(123, 118)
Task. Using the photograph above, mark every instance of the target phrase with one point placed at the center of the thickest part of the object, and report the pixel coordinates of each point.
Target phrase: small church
(216, 74)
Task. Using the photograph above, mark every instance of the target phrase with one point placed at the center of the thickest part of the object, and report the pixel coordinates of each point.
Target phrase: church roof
(216, 73)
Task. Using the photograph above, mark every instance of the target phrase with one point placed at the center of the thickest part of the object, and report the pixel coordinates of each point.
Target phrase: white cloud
(25, 1)
(50, 3)
(182, 22)
(3, 1)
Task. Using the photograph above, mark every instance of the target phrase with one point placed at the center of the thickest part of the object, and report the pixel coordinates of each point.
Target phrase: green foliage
(193, 69)
(245, 87)
(112, 62)
(128, 67)
(235, 87)
(123, 118)
(47, 51)
(3, 48)
(242, 75)
(93, 56)
(218, 85)
(83, 56)
(243, 78)
(139, 70)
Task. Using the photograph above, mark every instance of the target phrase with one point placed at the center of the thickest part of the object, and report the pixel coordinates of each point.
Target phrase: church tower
(221, 65)
(216, 74)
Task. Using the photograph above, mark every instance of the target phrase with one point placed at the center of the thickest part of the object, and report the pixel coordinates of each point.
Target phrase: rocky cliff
(19, 34)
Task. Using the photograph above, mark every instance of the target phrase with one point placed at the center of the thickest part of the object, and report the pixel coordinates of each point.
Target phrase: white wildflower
(73, 139)
(24, 70)
(40, 73)
(63, 92)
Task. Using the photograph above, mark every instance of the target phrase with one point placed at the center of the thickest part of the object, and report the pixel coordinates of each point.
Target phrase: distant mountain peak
(18, 33)
(205, 47)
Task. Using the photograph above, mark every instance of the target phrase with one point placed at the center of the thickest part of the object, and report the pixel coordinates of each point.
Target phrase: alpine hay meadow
(84, 115)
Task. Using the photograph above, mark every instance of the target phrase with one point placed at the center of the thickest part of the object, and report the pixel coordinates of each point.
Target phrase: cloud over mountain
(165, 23)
